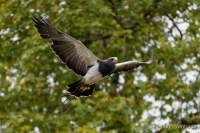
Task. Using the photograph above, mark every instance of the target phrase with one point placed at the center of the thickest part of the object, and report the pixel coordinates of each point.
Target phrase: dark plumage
(71, 51)
(106, 67)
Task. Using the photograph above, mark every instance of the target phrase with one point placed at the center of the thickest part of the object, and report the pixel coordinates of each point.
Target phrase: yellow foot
(83, 87)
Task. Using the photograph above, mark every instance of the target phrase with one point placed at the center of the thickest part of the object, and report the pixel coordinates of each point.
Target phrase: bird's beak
(115, 59)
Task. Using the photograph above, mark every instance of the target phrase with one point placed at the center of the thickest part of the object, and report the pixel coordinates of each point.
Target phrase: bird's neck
(105, 68)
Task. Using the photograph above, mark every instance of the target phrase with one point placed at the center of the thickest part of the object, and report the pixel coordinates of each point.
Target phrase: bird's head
(113, 59)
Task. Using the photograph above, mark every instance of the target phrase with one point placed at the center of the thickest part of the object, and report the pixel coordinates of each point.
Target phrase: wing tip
(42, 25)
(39, 20)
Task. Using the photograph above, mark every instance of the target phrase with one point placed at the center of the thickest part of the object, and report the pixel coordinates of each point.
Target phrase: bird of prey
(80, 59)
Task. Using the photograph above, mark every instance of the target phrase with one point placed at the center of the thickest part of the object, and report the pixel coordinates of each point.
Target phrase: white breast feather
(93, 75)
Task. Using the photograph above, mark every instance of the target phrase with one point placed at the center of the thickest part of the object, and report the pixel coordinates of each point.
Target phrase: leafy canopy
(32, 78)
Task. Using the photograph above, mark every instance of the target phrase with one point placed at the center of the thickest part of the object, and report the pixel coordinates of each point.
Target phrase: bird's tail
(78, 89)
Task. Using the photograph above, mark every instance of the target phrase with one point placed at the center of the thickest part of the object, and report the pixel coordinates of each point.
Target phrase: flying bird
(80, 59)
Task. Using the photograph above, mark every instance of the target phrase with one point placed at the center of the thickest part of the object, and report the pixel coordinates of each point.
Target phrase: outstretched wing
(129, 65)
(71, 51)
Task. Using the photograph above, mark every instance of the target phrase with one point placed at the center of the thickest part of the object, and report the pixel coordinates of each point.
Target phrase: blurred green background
(161, 97)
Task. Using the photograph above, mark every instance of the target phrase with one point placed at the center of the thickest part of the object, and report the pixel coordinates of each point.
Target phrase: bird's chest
(93, 75)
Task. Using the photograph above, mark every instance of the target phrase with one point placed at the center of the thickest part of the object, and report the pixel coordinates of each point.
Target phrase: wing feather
(70, 50)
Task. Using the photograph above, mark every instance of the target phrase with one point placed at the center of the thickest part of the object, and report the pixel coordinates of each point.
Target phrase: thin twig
(176, 26)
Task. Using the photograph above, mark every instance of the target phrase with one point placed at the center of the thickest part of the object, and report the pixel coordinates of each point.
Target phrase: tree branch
(192, 119)
(176, 26)
(117, 17)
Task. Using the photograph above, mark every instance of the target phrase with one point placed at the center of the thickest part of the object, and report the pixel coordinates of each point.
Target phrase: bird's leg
(83, 87)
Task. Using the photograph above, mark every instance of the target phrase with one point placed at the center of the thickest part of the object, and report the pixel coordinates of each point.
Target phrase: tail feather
(75, 89)
(75, 84)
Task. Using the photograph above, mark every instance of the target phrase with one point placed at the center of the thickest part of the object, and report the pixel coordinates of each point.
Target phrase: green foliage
(32, 78)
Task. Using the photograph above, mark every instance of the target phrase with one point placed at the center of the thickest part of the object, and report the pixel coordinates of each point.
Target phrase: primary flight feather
(80, 59)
